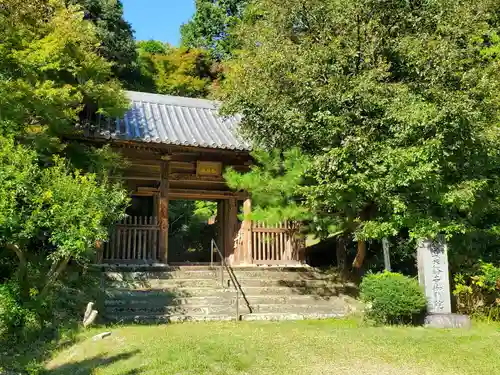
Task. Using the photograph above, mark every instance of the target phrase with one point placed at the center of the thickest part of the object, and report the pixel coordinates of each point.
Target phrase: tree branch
(54, 273)
(23, 262)
(53, 269)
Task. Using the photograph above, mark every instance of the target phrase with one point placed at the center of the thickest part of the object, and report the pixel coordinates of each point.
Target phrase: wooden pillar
(231, 221)
(163, 211)
(246, 256)
(220, 226)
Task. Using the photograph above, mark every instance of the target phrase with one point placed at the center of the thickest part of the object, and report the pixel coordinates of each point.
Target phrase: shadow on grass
(89, 365)
(19, 355)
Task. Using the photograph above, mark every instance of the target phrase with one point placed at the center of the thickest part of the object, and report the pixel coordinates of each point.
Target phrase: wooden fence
(135, 239)
(275, 244)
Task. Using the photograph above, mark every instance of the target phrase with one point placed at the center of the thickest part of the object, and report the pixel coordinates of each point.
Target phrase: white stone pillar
(433, 274)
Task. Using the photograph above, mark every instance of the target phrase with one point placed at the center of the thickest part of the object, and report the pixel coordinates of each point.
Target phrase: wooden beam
(163, 211)
(145, 149)
(203, 194)
(173, 149)
(145, 163)
(190, 177)
(183, 166)
(147, 189)
(143, 194)
(140, 178)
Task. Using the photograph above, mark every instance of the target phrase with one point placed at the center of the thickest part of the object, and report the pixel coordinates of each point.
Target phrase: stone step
(243, 273)
(216, 283)
(176, 292)
(221, 317)
(167, 293)
(175, 318)
(146, 299)
(161, 294)
(197, 267)
(171, 310)
(224, 309)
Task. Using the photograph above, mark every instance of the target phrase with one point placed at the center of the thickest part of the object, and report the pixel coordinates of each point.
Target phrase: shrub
(479, 294)
(25, 317)
(13, 315)
(392, 298)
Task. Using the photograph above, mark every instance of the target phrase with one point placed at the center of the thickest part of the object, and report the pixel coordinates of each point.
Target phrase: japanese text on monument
(438, 298)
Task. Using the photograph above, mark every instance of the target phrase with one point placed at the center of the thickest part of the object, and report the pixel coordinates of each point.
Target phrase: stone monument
(433, 275)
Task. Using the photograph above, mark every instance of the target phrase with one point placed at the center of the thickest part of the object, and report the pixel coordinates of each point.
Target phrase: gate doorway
(192, 226)
(145, 237)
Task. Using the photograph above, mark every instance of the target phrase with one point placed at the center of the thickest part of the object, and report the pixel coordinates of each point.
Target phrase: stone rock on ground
(101, 336)
(448, 321)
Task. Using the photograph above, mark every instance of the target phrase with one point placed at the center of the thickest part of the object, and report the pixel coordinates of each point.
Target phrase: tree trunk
(23, 262)
(360, 255)
(342, 253)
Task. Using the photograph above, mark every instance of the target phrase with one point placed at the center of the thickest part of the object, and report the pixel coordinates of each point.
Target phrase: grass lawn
(304, 347)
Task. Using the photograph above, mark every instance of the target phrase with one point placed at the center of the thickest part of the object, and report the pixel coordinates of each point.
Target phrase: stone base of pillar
(447, 321)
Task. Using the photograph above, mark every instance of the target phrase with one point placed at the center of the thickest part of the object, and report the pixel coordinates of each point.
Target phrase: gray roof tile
(176, 121)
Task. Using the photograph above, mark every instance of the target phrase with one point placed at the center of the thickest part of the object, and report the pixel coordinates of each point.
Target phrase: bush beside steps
(392, 298)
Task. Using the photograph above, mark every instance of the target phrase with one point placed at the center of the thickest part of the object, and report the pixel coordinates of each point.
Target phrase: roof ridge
(172, 100)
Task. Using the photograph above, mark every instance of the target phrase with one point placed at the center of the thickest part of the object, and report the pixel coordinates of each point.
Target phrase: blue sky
(158, 19)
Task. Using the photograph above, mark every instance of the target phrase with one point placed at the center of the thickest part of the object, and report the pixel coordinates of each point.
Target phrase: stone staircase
(197, 293)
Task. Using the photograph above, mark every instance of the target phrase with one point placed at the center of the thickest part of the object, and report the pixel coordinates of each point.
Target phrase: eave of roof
(173, 120)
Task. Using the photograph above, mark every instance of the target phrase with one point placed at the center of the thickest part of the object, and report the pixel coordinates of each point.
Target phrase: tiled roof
(176, 121)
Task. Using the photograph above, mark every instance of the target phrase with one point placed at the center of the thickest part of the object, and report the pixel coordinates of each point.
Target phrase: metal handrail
(232, 277)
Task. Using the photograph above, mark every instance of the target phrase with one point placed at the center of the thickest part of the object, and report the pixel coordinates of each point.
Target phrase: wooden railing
(275, 244)
(135, 239)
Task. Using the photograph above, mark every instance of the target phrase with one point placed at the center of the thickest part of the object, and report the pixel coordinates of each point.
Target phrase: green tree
(154, 47)
(180, 71)
(52, 77)
(394, 104)
(211, 26)
(51, 71)
(116, 36)
(63, 211)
